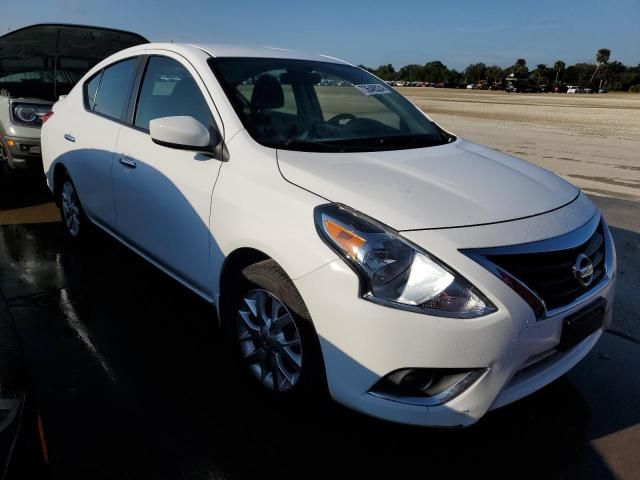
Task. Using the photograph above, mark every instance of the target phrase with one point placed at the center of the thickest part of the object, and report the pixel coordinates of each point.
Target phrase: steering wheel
(338, 118)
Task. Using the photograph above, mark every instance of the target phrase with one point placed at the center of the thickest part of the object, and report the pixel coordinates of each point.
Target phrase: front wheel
(275, 338)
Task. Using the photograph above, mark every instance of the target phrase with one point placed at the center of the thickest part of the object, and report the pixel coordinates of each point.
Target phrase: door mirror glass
(180, 132)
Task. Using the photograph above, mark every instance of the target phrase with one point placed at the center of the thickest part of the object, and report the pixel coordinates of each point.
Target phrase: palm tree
(494, 73)
(559, 66)
(520, 68)
(602, 58)
(541, 68)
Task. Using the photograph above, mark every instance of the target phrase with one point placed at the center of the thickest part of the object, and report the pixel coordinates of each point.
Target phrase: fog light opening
(425, 386)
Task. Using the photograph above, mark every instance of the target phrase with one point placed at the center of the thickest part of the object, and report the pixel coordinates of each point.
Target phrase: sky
(457, 32)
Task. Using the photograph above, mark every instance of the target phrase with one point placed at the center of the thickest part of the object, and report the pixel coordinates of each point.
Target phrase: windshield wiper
(313, 146)
(371, 144)
(388, 143)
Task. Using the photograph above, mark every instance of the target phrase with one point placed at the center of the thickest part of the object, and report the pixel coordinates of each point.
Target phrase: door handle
(128, 162)
(69, 137)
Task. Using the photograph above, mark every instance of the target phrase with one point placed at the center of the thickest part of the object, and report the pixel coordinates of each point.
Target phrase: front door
(163, 194)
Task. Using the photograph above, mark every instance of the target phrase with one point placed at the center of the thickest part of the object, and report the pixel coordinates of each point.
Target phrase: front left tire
(273, 335)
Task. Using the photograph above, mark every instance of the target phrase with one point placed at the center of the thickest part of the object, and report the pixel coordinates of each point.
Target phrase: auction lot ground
(132, 381)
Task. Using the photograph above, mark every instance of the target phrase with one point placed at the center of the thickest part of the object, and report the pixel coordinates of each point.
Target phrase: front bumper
(23, 151)
(362, 341)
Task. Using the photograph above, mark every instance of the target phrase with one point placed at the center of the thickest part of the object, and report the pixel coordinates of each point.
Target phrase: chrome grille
(550, 274)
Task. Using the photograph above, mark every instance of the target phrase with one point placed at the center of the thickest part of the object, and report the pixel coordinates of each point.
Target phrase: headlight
(28, 114)
(394, 272)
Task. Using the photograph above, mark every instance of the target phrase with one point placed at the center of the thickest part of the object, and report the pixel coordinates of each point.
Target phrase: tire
(75, 223)
(277, 340)
(4, 164)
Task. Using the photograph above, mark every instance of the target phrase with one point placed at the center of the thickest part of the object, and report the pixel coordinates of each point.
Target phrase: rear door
(94, 136)
(162, 194)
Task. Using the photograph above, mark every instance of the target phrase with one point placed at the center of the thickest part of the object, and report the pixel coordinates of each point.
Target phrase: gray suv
(38, 64)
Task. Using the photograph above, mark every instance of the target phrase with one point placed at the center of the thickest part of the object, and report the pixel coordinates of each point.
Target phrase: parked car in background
(312, 218)
(38, 64)
(574, 89)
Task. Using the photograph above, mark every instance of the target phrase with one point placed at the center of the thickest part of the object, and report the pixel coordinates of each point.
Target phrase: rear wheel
(273, 334)
(74, 221)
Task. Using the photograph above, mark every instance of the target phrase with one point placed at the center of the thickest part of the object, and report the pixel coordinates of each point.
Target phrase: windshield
(322, 106)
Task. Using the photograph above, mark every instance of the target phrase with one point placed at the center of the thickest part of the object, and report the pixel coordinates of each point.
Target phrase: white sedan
(349, 244)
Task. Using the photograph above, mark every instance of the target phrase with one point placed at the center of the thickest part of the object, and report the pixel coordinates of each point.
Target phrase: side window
(115, 87)
(90, 90)
(169, 90)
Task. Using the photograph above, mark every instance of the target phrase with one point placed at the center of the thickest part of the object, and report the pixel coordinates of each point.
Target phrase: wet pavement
(131, 379)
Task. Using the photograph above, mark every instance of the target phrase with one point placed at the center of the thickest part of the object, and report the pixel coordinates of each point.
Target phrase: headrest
(267, 93)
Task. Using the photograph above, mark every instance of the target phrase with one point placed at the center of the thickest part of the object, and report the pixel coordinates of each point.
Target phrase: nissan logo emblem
(583, 270)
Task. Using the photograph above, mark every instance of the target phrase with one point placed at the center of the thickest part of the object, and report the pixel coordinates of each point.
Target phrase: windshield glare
(321, 106)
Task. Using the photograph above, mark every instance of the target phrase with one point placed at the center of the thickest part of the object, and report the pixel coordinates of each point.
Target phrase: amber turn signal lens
(348, 241)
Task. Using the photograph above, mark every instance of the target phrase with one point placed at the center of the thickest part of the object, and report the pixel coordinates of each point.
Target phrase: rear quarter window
(90, 90)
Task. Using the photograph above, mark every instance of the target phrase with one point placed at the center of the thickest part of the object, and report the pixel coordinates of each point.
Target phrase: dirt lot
(591, 140)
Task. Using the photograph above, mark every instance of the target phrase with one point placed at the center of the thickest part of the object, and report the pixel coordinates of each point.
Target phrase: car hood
(73, 47)
(453, 185)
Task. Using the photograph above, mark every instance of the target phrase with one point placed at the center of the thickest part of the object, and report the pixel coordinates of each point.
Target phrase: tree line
(603, 73)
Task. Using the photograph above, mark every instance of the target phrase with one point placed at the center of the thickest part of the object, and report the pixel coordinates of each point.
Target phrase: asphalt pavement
(129, 378)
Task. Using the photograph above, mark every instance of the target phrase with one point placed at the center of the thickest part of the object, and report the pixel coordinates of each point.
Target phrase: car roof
(221, 50)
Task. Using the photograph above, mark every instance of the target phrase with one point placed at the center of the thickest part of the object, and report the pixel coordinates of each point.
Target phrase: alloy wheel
(70, 208)
(269, 340)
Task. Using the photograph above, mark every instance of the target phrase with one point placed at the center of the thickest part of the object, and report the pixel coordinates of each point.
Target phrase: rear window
(114, 89)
